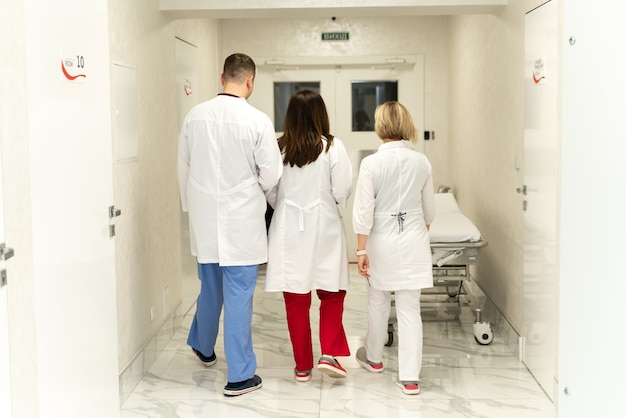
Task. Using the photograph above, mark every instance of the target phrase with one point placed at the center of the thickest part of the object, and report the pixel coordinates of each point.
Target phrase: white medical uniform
(228, 157)
(393, 203)
(307, 243)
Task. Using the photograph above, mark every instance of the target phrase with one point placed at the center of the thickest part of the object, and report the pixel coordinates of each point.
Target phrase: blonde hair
(393, 121)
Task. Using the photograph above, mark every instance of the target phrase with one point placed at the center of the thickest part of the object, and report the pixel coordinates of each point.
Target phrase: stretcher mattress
(450, 225)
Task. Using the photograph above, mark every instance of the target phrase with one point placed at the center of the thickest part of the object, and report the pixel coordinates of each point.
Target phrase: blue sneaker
(239, 388)
(207, 361)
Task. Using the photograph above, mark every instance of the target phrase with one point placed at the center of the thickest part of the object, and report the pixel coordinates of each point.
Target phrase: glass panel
(283, 92)
(366, 95)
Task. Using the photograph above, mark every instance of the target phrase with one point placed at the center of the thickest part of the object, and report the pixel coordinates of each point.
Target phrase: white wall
(368, 36)
(486, 109)
(146, 190)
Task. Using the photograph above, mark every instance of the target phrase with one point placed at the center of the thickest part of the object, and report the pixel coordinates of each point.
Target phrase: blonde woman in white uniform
(307, 243)
(393, 209)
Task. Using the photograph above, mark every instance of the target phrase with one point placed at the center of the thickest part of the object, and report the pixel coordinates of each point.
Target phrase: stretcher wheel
(483, 333)
(389, 342)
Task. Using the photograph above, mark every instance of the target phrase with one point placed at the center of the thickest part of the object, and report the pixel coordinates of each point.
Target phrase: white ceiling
(236, 9)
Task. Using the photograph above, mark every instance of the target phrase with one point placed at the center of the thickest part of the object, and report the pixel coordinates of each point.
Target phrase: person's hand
(364, 265)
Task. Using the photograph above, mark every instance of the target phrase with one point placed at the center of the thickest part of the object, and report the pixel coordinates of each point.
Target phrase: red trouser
(332, 336)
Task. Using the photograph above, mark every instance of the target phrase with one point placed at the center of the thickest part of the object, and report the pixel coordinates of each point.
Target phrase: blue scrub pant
(233, 288)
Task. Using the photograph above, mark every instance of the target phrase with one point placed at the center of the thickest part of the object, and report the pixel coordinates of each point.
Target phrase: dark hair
(306, 122)
(237, 67)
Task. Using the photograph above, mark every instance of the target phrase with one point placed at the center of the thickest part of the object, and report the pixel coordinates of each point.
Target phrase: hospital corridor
(518, 109)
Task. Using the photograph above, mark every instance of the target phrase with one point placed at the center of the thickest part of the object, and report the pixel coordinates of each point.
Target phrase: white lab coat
(228, 157)
(393, 203)
(307, 242)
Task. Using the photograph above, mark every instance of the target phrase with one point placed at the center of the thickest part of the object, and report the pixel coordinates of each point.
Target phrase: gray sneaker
(366, 364)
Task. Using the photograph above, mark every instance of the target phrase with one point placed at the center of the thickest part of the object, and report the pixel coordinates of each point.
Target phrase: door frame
(5, 355)
(540, 195)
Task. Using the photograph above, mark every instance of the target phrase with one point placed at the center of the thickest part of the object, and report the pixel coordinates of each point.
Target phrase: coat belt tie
(401, 218)
(301, 211)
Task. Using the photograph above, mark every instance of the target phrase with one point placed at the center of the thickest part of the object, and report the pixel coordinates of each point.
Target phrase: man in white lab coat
(228, 157)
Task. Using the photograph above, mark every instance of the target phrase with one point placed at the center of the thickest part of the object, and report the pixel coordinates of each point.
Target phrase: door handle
(114, 212)
(522, 190)
(5, 252)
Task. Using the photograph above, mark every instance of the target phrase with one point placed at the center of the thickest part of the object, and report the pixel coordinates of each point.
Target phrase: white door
(592, 221)
(340, 82)
(5, 370)
(69, 133)
(540, 195)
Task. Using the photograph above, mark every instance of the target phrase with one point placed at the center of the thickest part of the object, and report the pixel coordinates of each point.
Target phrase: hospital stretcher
(455, 244)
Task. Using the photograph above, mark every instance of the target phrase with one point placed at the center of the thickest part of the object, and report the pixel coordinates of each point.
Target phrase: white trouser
(410, 332)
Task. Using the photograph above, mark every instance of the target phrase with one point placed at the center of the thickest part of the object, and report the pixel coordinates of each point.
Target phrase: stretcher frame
(451, 267)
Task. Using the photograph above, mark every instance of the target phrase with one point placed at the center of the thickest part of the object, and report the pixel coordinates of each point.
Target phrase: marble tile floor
(460, 378)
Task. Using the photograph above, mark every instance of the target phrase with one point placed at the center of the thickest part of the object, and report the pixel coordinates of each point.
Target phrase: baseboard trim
(136, 369)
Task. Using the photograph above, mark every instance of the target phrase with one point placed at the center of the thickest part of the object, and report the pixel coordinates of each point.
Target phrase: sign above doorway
(335, 36)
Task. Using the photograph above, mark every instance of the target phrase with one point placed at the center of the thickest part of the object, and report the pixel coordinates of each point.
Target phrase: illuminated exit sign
(335, 36)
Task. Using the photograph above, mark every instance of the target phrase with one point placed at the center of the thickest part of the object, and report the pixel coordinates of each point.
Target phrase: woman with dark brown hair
(307, 242)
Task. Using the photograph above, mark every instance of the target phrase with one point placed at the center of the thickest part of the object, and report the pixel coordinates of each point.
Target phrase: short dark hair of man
(238, 67)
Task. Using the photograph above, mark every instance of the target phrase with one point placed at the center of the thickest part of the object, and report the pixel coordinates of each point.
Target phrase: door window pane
(283, 92)
(366, 95)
